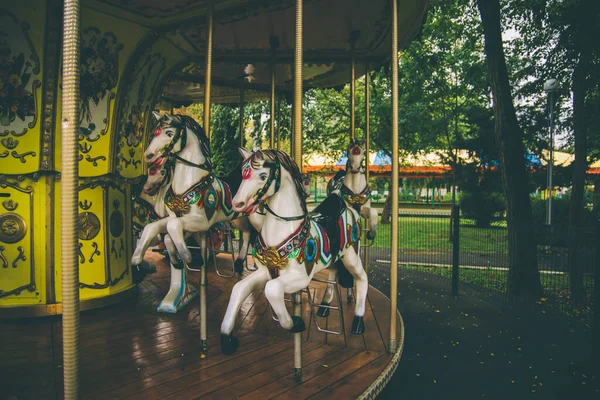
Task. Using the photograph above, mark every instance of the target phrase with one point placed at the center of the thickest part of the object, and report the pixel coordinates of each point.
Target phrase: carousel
(97, 172)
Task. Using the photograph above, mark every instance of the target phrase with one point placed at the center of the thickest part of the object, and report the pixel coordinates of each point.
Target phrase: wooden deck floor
(130, 350)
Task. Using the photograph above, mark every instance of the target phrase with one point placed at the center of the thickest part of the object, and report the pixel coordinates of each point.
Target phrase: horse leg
(243, 224)
(353, 264)
(180, 291)
(148, 234)
(328, 295)
(367, 211)
(291, 282)
(187, 223)
(241, 290)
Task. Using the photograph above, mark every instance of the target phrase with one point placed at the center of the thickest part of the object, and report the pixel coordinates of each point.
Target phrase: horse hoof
(298, 325)
(358, 326)
(136, 260)
(238, 266)
(229, 344)
(371, 235)
(323, 312)
(177, 265)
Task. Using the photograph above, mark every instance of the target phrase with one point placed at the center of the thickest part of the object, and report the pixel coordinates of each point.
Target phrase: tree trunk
(523, 275)
(576, 208)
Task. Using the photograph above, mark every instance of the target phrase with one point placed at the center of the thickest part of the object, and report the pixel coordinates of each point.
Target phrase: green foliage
(484, 207)
(225, 137)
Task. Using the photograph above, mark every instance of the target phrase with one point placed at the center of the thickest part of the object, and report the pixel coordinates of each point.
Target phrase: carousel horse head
(263, 173)
(159, 175)
(173, 135)
(356, 156)
(306, 184)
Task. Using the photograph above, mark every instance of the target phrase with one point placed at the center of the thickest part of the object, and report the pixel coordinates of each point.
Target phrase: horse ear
(157, 115)
(245, 153)
(168, 117)
(177, 119)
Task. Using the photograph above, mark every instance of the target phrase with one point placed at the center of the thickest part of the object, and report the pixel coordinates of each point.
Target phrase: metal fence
(428, 249)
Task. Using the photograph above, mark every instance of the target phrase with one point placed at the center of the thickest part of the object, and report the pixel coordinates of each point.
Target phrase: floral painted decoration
(15, 73)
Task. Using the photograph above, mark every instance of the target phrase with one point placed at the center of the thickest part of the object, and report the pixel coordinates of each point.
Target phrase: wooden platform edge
(384, 378)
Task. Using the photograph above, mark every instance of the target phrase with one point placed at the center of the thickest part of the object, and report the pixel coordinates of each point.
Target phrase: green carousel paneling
(107, 43)
(22, 242)
(104, 239)
(21, 46)
(152, 64)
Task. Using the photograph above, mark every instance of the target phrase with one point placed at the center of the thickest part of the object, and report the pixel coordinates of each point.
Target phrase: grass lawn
(433, 233)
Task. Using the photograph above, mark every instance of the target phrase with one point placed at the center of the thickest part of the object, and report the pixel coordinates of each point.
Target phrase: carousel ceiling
(246, 31)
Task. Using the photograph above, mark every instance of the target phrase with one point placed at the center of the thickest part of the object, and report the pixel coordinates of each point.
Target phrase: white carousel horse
(292, 247)
(353, 185)
(196, 199)
(149, 207)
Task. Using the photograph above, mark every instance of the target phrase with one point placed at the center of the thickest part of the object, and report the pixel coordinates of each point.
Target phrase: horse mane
(290, 165)
(192, 125)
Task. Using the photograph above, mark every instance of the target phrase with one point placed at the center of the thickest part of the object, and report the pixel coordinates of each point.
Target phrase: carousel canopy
(259, 31)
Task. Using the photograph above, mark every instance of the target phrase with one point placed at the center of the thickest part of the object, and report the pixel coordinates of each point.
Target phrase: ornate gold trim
(56, 309)
(22, 156)
(13, 228)
(10, 205)
(9, 142)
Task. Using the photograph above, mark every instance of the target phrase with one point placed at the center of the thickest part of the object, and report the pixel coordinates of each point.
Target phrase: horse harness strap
(356, 199)
(180, 204)
(277, 257)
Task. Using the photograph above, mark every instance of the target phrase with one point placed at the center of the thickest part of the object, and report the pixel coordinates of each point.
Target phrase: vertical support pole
(208, 69)
(297, 155)
(207, 88)
(68, 198)
(274, 45)
(596, 310)
(278, 135)
(455, 248)
(297, 125)
(297, 297)
(367, 145)
(550, 160)
(203, 301)
(242, 103)
(353, 37)
(393, 344)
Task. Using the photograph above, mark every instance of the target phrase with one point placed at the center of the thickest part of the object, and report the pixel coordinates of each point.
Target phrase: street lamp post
(550, 87)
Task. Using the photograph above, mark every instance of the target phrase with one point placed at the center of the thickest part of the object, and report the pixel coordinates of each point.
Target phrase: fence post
(455, 249)
(596, 317)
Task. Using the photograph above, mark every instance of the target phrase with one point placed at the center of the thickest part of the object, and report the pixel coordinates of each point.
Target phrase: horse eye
(263, 177)
(169, 133)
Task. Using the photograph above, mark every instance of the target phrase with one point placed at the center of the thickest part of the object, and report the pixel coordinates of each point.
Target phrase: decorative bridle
(180, 134)
(355, 147)
(274, 175)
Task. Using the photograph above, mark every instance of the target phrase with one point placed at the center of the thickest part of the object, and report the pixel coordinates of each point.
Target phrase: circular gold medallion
(12, 228)
(89, 225)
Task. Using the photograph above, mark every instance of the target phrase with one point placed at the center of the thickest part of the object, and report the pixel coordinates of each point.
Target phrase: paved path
(466, 348)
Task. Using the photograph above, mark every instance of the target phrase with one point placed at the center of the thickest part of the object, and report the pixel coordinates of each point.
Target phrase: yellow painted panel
(131, 163)
(20, 138)
(22, 243)
(104, 264)
(95, 154)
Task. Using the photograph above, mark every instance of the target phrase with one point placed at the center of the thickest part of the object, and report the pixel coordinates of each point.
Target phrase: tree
(523, 274)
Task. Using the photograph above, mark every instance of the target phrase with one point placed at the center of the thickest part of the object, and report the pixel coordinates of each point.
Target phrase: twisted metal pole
(207, 87)
(393, 344)
(208, 70)
(367, 146)
(297, 154)
(274, 44)
(68, 209)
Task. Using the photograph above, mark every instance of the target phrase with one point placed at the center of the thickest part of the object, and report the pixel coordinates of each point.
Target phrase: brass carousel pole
(208, 72)
(393, 345)
(297, 154)
(353, 37)
(203, 277)
(68, 209)
(274, 45)
(367, 146)
(242, 130)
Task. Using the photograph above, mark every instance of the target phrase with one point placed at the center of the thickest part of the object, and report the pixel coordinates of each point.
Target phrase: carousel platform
(131, 351)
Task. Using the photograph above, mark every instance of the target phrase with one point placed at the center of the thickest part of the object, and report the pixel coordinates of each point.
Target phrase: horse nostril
(239, 204)
(150, 156)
